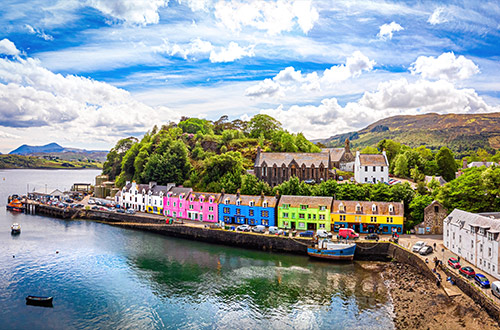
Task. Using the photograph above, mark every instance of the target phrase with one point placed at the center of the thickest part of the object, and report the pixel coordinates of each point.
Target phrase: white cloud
(395, 97)
(72, 106)
(7, 47)
(437, 17)
(5, 135)
(231, 53)
(271, 16)
(290, 80)
(193, 48)
(446, 66)
(138, 12)
(39, 33)
(387, 30)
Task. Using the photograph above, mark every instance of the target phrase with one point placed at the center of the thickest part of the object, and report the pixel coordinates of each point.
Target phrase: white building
(371, 168)
(143, 197)
(475, 238)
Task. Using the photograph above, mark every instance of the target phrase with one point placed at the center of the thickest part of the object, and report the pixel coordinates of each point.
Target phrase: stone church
(277, 167)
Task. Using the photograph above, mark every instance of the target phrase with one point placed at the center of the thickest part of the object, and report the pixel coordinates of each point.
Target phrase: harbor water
(112, 278)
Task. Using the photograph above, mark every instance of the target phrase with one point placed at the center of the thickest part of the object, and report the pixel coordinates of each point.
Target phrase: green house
(304, 212)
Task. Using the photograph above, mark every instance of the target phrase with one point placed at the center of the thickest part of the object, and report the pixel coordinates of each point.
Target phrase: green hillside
(18, 161)
(461, 133)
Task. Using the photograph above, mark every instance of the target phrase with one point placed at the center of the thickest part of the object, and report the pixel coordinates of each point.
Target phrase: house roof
(466, 219)
(246, 199)
(366, 207)
(335, 153)
(439, 179)
(311, 201)
(434, 202)
(479, 164)
(372, 160)
(177, 191)
(286, 158)
(196, 196)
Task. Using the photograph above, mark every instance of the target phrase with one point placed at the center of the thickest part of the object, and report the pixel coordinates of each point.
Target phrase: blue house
(249, 210)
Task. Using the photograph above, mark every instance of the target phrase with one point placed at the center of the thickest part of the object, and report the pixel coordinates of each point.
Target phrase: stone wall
(433, 219)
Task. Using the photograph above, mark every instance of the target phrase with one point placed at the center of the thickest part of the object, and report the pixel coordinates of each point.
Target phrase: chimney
(237, 194)
(277, 196)
(464, 163)
(152, 184)
(222, 192)
(347, 146)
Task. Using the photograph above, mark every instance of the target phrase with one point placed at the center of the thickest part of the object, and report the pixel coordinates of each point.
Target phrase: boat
(15, 205)
(39, 301)
(327, 249)
(15, 229)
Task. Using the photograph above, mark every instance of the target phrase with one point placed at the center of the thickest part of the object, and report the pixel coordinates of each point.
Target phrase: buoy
(13, 256)
(57, 252)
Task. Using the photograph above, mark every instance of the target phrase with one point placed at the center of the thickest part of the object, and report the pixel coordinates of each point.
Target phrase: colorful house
(250, 210)
(202, 206)
(304, 212)
(174, 203)
(368, 217)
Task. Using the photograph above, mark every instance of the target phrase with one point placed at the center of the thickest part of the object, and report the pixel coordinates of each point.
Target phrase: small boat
(15, 205)
(39, 301)
(15, 229)
(326, 249)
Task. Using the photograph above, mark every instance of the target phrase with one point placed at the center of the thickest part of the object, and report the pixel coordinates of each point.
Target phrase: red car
(453, 263)
(467, 271)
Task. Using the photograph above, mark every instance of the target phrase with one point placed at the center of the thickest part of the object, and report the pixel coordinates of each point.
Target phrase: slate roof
(177, 191)
(372, 160)
(479, 164)
(196, 196)
(366, 207)
(311, 201)
(306, 158)
(246, 199)
(439, 179)
(466, 219)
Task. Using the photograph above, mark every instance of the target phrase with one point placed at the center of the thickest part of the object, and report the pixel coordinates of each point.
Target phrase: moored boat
(15, 205)
(326, 249)
(15, 228)
(39, 301)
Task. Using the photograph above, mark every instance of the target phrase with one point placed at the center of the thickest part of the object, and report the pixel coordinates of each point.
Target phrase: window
(250, 213)
(373, 219)
(252, 203)
(168, 203)
(264, 214)
(293, 215)
(480, 247)
(314, 216)
(358, 208)
(285, 214)
(238, 211)
(436, 208)
(489, 252)
(175, 214)
(191, 207)
(391, 208)
(459, 238)
(226, 218)
(322, 225)
(302, 216)
(265, 222)
(341, 207)
(174, 204)
(322, 208)
(210, 208)
(366, 168)
(210, 217)
(374, 208)
(226, 201)
(264, 204)
(447, 232)
(286, 206)
(322, 217)
(453, 235)
(302, 225)
(238, 202)
(303, 207)
(366, 179)
(374, 169)
(226, 210)
(264, 171)
(472, 243)
(381, 168)
(201, 217)
(309, 216)
(180, 214)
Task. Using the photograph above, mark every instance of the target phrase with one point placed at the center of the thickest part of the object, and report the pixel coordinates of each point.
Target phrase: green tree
(369, 150)
(401, 166)
(392, 148)
(113, 164)
(250, 185)
(446, 164)
(263, 124)
(195, 125)
(222, 171)
(417, 206)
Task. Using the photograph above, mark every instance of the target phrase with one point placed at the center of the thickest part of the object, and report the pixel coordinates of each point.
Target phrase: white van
(495, 288)
(418, 246)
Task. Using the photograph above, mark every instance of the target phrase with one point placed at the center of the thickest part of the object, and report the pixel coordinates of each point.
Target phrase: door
(292, 224)
(311, 226)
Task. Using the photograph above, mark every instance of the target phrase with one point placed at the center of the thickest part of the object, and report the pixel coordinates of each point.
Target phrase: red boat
(15, 205)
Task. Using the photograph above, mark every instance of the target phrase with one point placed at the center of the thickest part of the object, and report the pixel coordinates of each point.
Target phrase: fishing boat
(15, 205)
(39, 301)
(15, 229)
(326, 249)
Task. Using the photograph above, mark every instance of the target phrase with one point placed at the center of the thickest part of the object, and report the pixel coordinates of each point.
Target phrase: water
(113, 278)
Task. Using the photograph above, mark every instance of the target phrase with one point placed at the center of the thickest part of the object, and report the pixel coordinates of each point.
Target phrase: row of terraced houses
(286, 212)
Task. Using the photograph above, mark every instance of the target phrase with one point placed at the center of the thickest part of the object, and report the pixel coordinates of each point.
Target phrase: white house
(143, 197)
(475, 238)
(371, 168)
(154, 199)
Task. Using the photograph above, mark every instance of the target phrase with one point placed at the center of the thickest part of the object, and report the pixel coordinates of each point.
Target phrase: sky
(86, 73)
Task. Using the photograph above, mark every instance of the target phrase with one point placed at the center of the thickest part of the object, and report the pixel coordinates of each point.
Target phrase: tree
(263, 124)
(417, 206)
(171, 166)
(222, 171)
(250, 185)
(392, 148)
(195, 125)
(113, 164)
(401, 166)
(446, 164)
(369, 150)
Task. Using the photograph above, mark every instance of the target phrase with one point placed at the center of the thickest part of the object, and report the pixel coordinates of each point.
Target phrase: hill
(20, 161)
(459, 132)
(54, 151)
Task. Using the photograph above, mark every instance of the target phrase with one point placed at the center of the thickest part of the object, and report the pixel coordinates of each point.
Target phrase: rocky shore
(420, 304)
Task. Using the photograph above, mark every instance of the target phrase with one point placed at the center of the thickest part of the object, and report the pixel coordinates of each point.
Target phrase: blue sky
(87, 73)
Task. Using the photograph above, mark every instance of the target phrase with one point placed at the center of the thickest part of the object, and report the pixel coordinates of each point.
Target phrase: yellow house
(368, 217)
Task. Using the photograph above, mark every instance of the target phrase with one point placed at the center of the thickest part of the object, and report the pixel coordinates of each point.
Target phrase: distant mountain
(458, 132)
(55, 151)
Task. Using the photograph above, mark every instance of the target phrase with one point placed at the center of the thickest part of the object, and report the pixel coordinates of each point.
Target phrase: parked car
(425, 250)
(243, 228)
(321, 233)
(120, 210)
(95, 207)
(467, 272)
(273, 230)
(348, 233)
(310, 181)
(418, 246)
(91, 201)
(307, 233)
(130, 211)
(341, 178)
(453, 263)
(482, 281)
(259, 229)
(372, 236)
(495, 289)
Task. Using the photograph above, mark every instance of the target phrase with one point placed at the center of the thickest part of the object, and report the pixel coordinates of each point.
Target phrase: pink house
(175, 202)
(202, 206)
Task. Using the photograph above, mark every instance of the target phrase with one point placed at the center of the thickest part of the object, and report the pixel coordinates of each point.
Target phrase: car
(307, 233)
(467, 271)
(425, 250)
(243, 228)
(453, 263)
(259, 229)
(482, 281)
(130, 211)
(273, 230)
(321, 233)
(120, 210)
(95, 207)
(310, 181)
(348, 233)
(91, 201)
(418, 246)
(372, 236)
